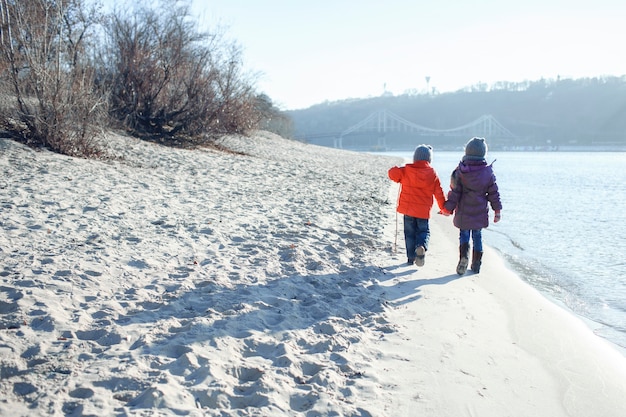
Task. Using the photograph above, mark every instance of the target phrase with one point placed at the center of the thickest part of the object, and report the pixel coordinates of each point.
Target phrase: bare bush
(47, 78)
(151, 69)
(272, 119)
(170, 80)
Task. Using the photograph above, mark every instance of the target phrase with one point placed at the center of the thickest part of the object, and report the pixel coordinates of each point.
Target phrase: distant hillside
(590, 111)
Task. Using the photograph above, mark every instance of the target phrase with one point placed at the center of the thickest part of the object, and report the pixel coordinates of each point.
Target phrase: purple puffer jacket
(472, 185)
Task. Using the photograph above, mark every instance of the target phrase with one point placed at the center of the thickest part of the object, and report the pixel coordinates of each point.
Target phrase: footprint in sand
(281, 355)
(303, 402)
(248, 374)
(8, 307)
(44, 324)
(100, 336)
(24, 388)
(82, 393)
(254, 399)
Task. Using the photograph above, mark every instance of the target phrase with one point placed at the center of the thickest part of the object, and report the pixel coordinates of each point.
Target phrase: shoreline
(541, 149)
(581, 288)
(592, 324)
(547, 359)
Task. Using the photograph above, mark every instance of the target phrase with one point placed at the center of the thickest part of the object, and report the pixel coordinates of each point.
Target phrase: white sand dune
(179, 282)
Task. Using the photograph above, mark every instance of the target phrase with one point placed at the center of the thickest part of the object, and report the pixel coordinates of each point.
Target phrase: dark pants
(477, 238)
(416, 234)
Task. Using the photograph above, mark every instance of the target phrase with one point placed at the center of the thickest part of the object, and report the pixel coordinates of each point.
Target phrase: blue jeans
(477, 238)
(416, 234)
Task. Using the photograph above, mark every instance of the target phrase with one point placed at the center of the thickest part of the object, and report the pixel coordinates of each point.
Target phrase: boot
(476, 260)
(420, 256)
(463, 258)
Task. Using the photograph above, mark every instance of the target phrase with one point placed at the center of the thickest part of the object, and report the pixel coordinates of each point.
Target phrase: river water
(563, 228)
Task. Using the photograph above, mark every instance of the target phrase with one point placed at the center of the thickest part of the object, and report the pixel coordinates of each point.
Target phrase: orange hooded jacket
(420, 183)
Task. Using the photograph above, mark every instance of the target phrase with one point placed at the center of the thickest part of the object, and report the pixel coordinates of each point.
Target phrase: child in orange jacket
(420, 183)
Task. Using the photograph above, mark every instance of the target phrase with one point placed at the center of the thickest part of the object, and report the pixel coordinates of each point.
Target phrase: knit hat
(423, 153)
(476, 148)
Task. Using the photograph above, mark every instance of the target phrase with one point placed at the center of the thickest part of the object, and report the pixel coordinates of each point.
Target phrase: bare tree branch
(43, 53)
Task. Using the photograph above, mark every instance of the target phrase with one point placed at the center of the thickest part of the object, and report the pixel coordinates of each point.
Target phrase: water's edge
(589, 292)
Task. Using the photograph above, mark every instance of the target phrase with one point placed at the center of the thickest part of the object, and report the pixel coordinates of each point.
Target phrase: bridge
(385, 130)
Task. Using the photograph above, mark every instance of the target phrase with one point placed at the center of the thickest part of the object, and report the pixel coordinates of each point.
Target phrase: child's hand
(497, 216)
(444, 212)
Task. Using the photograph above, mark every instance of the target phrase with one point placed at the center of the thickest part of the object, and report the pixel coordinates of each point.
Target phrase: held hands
(497, 216)
(445, 212)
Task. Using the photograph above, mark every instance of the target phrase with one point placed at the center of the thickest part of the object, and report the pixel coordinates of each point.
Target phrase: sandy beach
(271, 281)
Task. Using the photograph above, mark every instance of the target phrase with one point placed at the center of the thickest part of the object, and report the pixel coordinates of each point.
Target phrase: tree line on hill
(586, 111)
(69, 72)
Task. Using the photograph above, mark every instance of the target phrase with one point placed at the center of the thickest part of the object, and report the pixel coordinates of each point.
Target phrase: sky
(308, 52)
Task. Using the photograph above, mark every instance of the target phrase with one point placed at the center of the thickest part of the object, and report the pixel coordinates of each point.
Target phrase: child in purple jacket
(472, 187)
